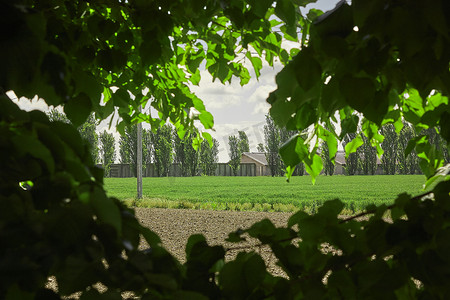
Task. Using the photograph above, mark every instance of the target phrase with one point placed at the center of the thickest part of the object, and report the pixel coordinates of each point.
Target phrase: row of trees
(164, 147)
(396, 159)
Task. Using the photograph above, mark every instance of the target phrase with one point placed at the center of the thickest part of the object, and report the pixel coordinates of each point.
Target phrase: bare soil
(174, 226)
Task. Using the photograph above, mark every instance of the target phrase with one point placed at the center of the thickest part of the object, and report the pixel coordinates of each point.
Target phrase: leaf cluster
(370, 64)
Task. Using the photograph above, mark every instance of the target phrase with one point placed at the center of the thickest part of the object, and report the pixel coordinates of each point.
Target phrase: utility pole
(139, 158)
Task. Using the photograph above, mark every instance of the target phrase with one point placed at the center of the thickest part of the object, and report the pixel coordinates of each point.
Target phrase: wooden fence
(223, 169)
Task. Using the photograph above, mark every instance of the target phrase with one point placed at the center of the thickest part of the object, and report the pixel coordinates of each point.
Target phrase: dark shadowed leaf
(78, 109)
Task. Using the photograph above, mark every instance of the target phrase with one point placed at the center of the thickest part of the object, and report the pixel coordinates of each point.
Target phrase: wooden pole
(139, 158)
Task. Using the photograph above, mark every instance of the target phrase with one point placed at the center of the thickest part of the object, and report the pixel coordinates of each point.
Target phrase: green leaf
(243, 275)
(195, 78)
(207, 119)
(208, 137)
(441, 173)
(349, 124)
(358, 92)
(197, 142)
(307, 70)
(260, 7)
(189, 295)
(330, 140)
(314, 166)
(86, 83)
(398, 210)
(297, 218)
(444, 122)
(33, 146)
(14, 292)
(331, 209)
(236, 236)
(280, 109)
(341, 285)
(289, 171)
(121, 98)
(412, 143)
(286, 11)
(78, 109)
(262, 229)
(256, 63)
(223, 71)
(150, 51)
(105, 209)
(198, 104)
(293, 151)
(353, 145)
(152, 238)
(192, 241)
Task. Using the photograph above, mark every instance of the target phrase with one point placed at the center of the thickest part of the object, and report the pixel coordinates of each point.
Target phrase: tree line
(162, 148)
(397, 158)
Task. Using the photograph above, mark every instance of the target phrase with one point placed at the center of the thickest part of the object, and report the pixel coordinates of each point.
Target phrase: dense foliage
(388, 61)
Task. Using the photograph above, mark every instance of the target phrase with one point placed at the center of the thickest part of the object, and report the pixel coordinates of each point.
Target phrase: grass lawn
(264, 193)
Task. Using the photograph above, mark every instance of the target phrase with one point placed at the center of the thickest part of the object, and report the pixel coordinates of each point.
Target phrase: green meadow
(264, 193)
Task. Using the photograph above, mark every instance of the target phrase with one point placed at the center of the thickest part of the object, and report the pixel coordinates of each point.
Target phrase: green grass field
(264, 193)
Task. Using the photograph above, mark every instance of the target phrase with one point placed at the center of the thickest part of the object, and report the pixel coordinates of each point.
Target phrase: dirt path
(174, 226)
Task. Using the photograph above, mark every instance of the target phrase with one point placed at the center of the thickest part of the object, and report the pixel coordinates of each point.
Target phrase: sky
(234, 108)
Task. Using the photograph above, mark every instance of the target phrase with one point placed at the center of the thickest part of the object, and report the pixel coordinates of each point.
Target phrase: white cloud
(261, 108)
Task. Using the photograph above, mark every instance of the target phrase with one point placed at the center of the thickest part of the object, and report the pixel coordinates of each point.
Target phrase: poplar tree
(107, 151)
(367, 155)
(235, 154)
(272, 140)
(390, 148)
(162, 152)
(351, 160)
(243, 142)
(209, 156)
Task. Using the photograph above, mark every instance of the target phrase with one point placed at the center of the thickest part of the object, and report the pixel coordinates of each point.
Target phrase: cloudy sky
(233, 107)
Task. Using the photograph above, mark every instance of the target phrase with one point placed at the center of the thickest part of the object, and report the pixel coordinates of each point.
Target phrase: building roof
(257, 156)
